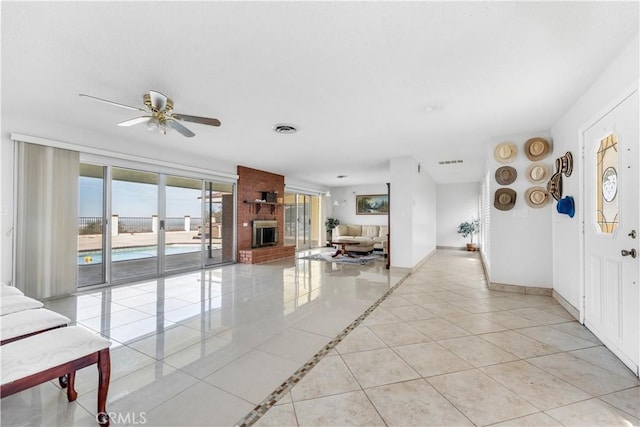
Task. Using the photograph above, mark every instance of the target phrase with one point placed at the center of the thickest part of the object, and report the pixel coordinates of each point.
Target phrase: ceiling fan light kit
(162, 117)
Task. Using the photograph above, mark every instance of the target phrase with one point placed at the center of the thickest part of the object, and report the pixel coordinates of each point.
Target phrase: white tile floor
(205, 348)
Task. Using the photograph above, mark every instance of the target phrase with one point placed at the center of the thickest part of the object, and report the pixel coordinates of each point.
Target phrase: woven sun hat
(505, 152)
(564, 164)
(554, 186)
(537, 173)
(536, 197)
(566, 206)
(536, 149)
(505, 175)
(505, 199)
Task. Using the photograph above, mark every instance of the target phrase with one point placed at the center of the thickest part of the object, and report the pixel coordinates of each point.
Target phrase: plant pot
(471, 247)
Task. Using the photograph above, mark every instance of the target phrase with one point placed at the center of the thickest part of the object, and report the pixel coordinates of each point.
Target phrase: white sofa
(370, 236)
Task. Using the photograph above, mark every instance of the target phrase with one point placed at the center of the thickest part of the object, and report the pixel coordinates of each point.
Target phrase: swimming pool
(138, 252)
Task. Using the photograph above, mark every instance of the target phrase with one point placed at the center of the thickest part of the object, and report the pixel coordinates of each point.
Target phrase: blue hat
(566, 206)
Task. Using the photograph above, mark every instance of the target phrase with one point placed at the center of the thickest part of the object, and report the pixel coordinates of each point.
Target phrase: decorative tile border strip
(283, 388)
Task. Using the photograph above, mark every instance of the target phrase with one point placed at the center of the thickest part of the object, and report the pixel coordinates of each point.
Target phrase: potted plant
(330, 224)
(469, 228)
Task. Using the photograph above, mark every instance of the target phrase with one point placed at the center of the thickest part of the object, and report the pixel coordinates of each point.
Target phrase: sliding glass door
(301, 220)
(137, 224)
(219, 225)
(304, 222)
(290, 219)
(182, 245)
(91, 225)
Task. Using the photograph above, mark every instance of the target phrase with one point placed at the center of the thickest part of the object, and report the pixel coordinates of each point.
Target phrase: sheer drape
(46, 221)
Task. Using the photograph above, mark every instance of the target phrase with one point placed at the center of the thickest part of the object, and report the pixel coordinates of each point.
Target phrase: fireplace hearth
(265, 233)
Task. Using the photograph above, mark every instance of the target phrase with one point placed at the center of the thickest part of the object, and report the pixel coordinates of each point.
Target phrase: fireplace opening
(265, 233)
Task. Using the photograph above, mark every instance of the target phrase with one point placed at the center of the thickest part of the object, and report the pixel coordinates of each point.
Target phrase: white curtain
(46, 221)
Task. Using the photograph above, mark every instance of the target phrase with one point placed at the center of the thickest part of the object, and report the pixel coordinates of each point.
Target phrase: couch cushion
(344, 239)
(370, 230)
(354, 230)
(365, 245)
(340, 230)
(384, 230)
(363, 240)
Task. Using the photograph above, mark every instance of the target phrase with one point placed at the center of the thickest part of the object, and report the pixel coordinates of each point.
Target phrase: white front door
(612, 300)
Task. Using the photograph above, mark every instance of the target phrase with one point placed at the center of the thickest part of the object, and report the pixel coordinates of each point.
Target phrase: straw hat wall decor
(537, 149)
(506, 175)
(505, 152)
(505, 199)
(536, 197)
(537, 173)
(564, 164)
(554, 186)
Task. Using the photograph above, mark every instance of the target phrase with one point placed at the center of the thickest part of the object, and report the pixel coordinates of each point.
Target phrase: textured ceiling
(355, 77)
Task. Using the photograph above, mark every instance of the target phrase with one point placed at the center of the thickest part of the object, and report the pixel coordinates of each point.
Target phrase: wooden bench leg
(71, 386)
(104, 373)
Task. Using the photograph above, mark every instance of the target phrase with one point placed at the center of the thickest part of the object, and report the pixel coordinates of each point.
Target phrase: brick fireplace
(260, 197)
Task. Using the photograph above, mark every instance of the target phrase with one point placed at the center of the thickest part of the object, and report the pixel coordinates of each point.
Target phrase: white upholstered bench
(53, 354)
(6, 290)
(14, 303)
(21, 324)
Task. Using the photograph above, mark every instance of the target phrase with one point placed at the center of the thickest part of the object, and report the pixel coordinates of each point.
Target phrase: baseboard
(453, 248)
(415, 268)
(531, 290)
(566, 305)
(484, 266)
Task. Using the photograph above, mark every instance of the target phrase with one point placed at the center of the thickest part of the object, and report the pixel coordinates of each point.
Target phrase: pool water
(139, 252)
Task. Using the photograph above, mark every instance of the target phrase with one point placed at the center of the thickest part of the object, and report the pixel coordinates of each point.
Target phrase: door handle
(632, 234)
(632, 252)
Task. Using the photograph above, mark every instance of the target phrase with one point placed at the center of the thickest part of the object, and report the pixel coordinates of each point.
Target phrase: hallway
(445, 350)
(306, 342)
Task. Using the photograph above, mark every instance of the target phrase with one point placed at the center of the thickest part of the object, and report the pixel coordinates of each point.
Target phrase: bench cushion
(6, 290)
(30, 321)
(14, 303)
(49, 349)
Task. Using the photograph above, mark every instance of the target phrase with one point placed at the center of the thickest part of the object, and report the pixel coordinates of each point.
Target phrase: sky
(136, 199)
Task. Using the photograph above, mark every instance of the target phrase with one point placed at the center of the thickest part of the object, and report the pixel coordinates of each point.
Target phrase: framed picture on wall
(372, 204)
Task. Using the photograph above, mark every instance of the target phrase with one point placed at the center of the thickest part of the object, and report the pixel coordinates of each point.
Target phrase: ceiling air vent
(449, 162)
(285, 128)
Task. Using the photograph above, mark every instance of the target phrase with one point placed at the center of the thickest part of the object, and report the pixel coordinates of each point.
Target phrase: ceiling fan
(159, 115)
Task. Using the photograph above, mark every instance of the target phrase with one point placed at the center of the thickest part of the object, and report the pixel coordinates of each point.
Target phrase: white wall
(521, 237)
(484, 238)
(413, 213)
(567, 238)
(425, 218)
(346, 209)
(6, 210)
(456, 203)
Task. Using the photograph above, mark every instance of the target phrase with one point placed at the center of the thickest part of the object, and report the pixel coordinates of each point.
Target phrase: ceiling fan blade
(137, 121)
(158, 100)
(195, 119)
(112, 103)
(177, 126)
